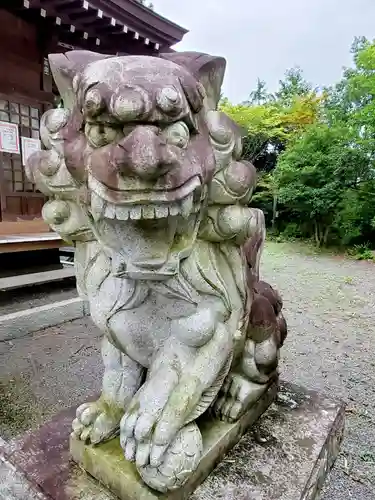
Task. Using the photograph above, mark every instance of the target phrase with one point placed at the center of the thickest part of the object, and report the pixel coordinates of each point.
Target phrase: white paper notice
(28, 147)
(9, 138)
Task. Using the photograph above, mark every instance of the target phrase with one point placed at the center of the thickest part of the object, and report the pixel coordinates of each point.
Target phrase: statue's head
(135, 140)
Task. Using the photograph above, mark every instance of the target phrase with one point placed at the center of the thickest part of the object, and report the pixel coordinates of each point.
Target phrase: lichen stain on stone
(291, 395)
(238, 470)
(260, 478)
(307, 444)
(109, 457)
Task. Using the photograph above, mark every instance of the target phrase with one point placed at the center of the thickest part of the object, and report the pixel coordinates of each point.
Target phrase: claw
(144, 427)
(103, 429)
(130, 448)
(89, 414)
(77, 427)
(81, 409)
(128, 423)
(85, 434)
(143, 454)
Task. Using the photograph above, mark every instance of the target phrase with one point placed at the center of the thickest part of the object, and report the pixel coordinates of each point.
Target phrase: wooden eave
(117, 26)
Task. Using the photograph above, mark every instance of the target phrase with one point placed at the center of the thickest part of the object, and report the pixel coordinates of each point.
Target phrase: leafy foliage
(315, 152)
(317, 177)
(293, 85)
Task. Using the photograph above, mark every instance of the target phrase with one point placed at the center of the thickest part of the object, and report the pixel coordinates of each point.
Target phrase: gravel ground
(330, 307)
(35, 296)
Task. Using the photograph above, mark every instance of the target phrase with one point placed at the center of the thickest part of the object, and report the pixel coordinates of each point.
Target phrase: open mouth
(145, 205)
(155, 228)
(101, 208)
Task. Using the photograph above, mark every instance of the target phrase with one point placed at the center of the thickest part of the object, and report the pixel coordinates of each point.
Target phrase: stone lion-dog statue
(144, 175)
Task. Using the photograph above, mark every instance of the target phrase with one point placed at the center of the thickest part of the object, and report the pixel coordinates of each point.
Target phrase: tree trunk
(325, 236)
(316, 233)
(274, 211)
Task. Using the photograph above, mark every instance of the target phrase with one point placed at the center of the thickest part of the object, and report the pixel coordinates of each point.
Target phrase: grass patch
(18, 407)
(304, 247)
(307, 247)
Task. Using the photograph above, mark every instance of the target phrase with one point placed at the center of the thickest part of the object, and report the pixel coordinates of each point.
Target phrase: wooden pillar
(47, 42)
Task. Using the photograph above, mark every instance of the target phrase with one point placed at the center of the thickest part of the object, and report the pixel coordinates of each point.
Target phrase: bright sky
(262, 38)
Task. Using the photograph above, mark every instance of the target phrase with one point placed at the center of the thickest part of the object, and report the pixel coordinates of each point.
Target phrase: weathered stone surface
(13, 483)
(107, 464)
(286, 456)
(144, 174)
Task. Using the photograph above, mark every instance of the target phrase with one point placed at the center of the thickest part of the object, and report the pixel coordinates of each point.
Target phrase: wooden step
(26, 242)
(23, 280)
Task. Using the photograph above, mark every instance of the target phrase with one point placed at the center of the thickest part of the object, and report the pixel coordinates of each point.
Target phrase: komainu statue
(144, 175)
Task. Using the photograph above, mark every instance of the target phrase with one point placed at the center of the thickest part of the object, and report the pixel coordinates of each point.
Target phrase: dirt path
(330, 307)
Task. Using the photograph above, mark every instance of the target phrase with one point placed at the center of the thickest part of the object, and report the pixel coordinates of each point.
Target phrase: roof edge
(143, 14)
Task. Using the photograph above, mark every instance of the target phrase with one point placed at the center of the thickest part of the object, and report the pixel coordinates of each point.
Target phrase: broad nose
(146, 153)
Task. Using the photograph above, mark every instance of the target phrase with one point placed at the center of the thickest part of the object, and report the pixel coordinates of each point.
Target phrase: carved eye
(100, 135)
(169, 100)
(94, 103)
(177, 134)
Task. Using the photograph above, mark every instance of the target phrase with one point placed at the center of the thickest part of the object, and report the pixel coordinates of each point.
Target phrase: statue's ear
(208, 70)
(65, 67)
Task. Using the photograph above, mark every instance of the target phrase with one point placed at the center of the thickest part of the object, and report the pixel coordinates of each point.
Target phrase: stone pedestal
(107, 464)
(286, 455)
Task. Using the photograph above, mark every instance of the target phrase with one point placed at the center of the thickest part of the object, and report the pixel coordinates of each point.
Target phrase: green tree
(273, 124)
(293, 85)
(259, 95)
(316, 175)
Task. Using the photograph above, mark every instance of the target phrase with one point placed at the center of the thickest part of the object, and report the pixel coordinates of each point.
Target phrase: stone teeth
(174, 209)
(122, 213)
(187, 206)
(97, 206)
(110, 211)
(161, 211)
(136, 212)
(148, 212)
(100, 208)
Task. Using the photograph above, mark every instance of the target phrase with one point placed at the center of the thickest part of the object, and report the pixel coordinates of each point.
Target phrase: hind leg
(100, 420)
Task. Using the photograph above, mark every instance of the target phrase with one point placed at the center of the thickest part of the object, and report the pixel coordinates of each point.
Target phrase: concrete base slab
(286, 456)
(21, 323)
(107, 463)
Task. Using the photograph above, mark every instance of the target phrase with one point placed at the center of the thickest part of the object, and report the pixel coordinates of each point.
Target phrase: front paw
(236, 397)
(96, 422)
(141, 417)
